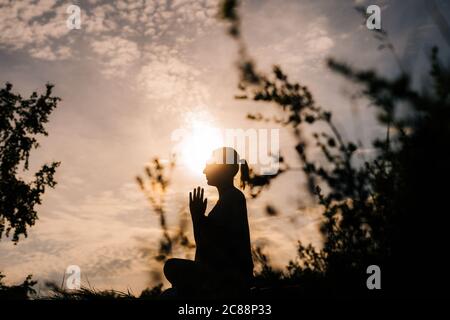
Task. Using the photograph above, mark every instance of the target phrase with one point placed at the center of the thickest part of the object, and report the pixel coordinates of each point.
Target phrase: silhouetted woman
(223, 262)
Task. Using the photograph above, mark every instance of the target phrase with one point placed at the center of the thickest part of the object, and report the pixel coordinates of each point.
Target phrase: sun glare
(197, 144)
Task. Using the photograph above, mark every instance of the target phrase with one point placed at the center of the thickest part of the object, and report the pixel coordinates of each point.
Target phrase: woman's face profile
(217, 171)
(213, 173)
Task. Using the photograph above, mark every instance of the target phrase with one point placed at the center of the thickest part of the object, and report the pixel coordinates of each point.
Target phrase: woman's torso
(230, 247)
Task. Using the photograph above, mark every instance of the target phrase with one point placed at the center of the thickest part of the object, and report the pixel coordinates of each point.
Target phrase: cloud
(173, 81)
(122, 32)
(117, 55)
(48, 53)
(304, 48)
(118, 32)
(34, 27)
(97, 20)
(102, 234)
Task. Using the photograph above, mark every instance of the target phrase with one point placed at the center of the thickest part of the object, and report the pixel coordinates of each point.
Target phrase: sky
(138, 71)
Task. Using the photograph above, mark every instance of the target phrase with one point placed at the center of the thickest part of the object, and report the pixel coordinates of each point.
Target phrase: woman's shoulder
(235, 194)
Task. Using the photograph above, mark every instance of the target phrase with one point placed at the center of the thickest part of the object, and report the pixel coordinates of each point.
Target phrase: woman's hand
(196, 204)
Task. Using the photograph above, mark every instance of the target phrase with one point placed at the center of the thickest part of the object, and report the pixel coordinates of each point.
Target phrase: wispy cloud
(34, 26)
(117, 54)
(117, 32)
(173, 82)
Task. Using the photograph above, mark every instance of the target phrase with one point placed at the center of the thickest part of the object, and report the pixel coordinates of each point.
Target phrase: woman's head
(223, 166)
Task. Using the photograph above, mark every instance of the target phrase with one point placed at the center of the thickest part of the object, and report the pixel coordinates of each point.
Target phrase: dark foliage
(154, 186)
(17, 292)
(389, 211)
(21, 122)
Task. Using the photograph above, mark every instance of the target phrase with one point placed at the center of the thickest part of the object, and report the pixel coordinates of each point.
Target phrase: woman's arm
(197, 208)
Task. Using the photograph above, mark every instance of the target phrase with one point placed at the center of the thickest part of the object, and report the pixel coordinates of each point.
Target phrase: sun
(199, 140)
